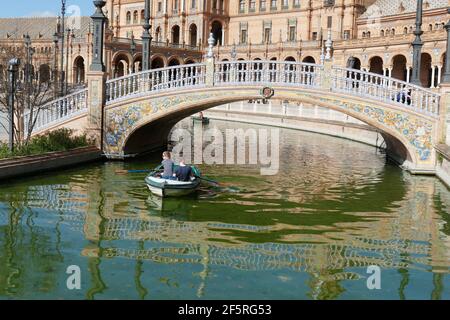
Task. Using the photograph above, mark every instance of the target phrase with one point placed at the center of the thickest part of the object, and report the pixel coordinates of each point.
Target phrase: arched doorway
(120, 65)
(309, 59)
(193, 35)
(44, 73)
(173, 73)
(176, 34)
(158, 34)
(174, 62)
(78, 70)
(157, 63)
(376, 65)
(217, 31)
(354, 63)
(138, 63)
(290, 69)
(425, 70)
(399, 67)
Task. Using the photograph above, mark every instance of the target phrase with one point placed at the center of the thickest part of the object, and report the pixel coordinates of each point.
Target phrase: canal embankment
(28, 165)
(443, 163)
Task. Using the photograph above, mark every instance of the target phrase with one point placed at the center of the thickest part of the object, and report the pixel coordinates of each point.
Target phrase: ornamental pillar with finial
(210, 65)
(96, 78)
(327, 62)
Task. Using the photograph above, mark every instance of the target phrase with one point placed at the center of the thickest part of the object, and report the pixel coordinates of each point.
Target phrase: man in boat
(183, 172)
(168, 165)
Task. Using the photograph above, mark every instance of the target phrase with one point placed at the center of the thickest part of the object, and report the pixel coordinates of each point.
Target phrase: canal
(311, 231)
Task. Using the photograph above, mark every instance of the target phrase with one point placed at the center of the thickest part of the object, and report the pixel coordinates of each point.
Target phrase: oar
(207, 180)
(138, 171)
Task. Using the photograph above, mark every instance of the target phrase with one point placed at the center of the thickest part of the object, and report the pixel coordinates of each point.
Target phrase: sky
(39, 8)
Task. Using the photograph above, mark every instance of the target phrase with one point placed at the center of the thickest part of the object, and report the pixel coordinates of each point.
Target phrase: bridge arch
(154, 120)
(141, 108)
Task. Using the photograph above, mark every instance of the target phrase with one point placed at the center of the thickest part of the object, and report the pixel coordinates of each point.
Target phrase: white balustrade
(56, 111)
(257, 72)
(385, 89)
(156, 80)
(235, 73)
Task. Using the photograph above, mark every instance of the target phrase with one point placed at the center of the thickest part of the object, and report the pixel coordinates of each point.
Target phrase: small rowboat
(172, 188)
(203, 120)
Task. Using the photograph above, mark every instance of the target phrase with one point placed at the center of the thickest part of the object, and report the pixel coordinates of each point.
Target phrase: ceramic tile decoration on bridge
(137, 111)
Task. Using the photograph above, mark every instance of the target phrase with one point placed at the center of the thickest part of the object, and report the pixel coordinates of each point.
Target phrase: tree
(34, 89)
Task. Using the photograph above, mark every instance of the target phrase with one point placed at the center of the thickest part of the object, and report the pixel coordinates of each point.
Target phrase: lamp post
(446, 76)
(62, 31)
(133, 52)
(146, 38)
(70, 35)
(417, 46)
(13, 65)
(55, 64)
(98, 20)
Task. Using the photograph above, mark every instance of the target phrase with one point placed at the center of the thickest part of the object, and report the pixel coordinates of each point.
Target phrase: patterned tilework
(418, 131)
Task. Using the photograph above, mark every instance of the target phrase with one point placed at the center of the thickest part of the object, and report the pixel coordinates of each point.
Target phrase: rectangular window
(292, 33)
(285, 4)
(262, 5)
(241, 6)
(243, 36)
(193, 4)
(252, 7)
(273, 4)
(314, 36)
(267, 35)
(346, 34)
(159, 6)
(330, 22)
(296, 3)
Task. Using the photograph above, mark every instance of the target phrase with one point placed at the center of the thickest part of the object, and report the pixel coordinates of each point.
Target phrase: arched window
(142, 16)
(135, 17)
(128, 17)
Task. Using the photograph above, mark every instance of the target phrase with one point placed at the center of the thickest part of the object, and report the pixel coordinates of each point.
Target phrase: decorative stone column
(96, 79)
(210, 65)
(327, 65)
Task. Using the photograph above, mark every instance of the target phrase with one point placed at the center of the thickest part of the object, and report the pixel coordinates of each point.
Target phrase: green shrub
(58, 140)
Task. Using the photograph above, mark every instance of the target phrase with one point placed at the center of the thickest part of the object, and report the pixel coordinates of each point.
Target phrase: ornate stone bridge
(135, 113)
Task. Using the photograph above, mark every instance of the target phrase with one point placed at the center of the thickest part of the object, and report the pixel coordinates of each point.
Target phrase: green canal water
(309, 232)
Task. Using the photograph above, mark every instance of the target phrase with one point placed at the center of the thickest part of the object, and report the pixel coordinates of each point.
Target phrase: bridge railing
(270, 72)
(57, 111)
(390, 90)
(156, 80)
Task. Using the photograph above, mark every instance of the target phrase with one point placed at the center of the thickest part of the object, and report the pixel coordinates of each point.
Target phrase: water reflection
(307, 233)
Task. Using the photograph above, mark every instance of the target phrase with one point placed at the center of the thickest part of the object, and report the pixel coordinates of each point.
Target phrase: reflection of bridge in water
(173, 241)
(398, 241)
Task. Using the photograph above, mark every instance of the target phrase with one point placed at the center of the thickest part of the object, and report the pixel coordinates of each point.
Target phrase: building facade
(371, 35)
